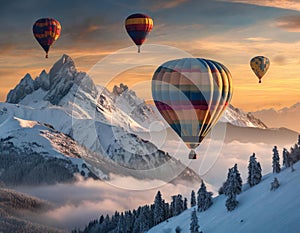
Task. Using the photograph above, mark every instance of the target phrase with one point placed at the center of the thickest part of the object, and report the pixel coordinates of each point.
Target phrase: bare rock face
(61, 78)
(25, 87)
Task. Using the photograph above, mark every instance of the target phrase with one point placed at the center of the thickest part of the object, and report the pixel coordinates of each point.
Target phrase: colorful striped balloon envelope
(138, 27)
(191, 94)
(46, 31)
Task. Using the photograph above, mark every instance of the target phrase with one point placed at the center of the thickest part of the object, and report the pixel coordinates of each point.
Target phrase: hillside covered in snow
(259, 209)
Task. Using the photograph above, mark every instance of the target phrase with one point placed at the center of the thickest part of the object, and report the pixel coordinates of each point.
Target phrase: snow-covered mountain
(239, 118)
(259, 209)
(286, 117)
(102, 122)
(27, 147)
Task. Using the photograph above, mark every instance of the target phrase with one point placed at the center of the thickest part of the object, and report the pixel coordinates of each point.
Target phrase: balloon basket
(192, 155)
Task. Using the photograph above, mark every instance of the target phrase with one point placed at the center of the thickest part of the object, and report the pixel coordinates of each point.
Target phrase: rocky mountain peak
(61, 78)
(25, 87)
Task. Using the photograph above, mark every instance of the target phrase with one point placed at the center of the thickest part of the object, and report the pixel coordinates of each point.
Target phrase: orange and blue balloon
(191, 94)
(46, 31)
(260, 66)
(138, 27)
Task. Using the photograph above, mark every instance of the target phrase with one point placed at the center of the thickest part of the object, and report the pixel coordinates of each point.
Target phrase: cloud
(166, 4)
(77, 204)
(279, 60)
(289, 23)
(284, 4)
(258, 39)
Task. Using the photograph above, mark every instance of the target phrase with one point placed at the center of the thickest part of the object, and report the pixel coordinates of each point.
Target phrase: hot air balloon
(191, 94)
(46, 31)
(138, 27)
(260, 66)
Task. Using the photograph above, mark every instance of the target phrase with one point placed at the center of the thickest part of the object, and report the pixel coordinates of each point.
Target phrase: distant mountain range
(286, 117)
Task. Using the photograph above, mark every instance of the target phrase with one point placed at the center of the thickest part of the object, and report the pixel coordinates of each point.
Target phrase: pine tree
(177, 205)
(285, 156)
(185, 204)
(121, 227)
(231, 202)
(193, 198)
(275, 163)
(275, 184)
(178, 229)
(194, 226)
(254, 171)
(204, 198)
(232, 187)
(158, 209)
(167, 212)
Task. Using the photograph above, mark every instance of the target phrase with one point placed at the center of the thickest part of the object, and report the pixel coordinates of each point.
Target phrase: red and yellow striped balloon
(46, 31)
(138, 27)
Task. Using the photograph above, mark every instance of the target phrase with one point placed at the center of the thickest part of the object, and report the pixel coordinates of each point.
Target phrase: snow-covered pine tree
(158, 209)
(285, 158)
(232, 187)
(185, 205)
(121, 227)
(167, 212)
(178, 229)
(204, 198)
(275, 184)
(254, 171)
(231, 202)
(178, 204)
(275, 162)
(238, 178)
(194, 226)
(193, 198)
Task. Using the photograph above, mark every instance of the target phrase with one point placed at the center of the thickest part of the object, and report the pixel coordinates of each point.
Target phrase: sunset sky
(228, 31)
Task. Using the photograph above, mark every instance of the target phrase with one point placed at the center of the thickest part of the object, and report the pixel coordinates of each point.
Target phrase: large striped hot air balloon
(138, 27)
(191, 94)
(260, 66)
(46, 31)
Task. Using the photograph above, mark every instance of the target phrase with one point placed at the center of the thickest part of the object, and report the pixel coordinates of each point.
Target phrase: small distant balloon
(260, 66)
(46, 31)
(191, 94)
(138, 27)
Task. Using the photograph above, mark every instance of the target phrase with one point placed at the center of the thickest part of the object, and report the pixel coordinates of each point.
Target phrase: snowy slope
(238, 117)
(259, 210)
(19, 136)
(102, 121)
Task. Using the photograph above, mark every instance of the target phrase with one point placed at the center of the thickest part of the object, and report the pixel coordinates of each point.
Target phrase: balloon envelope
(46, 31)
(260, 66)
(138, 27)
(191, 94)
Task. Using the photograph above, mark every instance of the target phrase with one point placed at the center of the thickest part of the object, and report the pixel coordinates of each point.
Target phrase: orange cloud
(167, 4)
(289, 23)
(284, 4)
